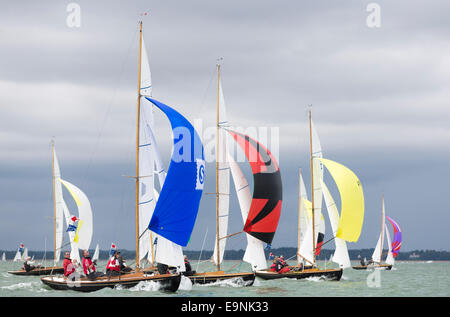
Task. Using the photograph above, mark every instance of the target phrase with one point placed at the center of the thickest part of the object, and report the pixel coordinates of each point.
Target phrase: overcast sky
(380, 98)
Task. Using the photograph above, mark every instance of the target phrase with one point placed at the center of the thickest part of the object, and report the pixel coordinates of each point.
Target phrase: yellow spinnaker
(352, 200)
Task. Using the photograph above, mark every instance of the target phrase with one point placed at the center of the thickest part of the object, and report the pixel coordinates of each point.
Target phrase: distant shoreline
(288, 253)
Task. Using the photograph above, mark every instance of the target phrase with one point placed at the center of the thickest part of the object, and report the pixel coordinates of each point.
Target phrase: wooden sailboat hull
(373, 266)
(168, 282)
(40, 271)
(213, 277)
(331, 274)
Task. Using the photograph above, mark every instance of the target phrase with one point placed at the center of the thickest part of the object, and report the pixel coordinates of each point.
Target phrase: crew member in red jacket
(113, 266)
(89, 266)
(69, 268)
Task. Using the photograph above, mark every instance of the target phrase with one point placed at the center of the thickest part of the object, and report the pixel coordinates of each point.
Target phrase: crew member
(113, 266)
(89, 266)
(123, 265)
(188, 271)
(69, 268)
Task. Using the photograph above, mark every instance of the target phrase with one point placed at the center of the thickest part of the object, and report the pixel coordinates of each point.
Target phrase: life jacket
(113, 265)
(273, 267)
(86, 263)
(69, 268)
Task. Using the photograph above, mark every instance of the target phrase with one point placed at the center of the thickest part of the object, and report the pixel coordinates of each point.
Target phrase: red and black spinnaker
(265, 208)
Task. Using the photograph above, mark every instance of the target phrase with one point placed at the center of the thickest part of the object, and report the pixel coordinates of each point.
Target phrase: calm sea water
(405, 279)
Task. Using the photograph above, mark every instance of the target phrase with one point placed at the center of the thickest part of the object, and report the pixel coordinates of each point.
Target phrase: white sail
(146, 178)
(306, 250)
(146, 76)
(18, 256)
(166, 251)
(224, 180)
(254, 253)
(390, 258)
(25, 254)
(59, 222)
(340, 255)
(3, 257)
(318, 177)
(96, 253)
(376, 256)
(304, 219)
(84, 231)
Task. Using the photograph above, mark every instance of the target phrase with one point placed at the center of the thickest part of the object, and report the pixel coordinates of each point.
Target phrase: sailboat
(174, 214)
(19, 253)
(3, 257)
(346, 228)
(393, 248)
(79, 228)
(259, 221)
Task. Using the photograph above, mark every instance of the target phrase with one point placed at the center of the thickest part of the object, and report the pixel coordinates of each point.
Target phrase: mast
(137, 146)
(382, 227)
(54, 202)
(312, 191)
(217, 167)
(299, 209)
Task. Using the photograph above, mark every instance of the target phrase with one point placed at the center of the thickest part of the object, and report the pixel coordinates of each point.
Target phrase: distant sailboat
(79, 228)
(393, 248)
(19, 253)
(3, 257)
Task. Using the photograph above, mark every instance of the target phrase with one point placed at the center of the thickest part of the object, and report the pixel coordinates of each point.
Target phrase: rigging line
(109, 107)
(328, 241)
(201, 251)
(212, 77)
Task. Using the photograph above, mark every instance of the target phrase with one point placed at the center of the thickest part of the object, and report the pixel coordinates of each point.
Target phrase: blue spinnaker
(178, 203)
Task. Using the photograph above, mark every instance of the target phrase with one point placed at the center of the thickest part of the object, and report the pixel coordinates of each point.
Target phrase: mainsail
(376, 256)
(265, 208)
(146, 76)
(223, 179)
(59, 205)
(319, 226)
(254, 253)
(177, 207)
(147, 200)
